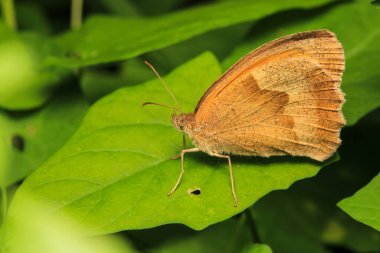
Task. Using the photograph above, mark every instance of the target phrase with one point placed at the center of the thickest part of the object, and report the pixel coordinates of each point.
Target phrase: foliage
(92, 45)
(364, 205)
(74, 131)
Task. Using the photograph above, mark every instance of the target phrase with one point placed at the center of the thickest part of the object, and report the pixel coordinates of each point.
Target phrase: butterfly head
(183, 122)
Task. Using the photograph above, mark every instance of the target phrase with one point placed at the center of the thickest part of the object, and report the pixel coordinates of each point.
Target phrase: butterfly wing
(282, 98)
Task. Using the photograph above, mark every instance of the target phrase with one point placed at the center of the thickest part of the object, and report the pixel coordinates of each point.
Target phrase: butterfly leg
(183, 152)
(231, 174)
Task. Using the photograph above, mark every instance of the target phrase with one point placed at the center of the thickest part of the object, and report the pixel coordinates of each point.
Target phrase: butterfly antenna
(158, 104)
(165, 85)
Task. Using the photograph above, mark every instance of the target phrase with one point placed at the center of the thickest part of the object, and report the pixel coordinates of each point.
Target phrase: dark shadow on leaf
(149, 239)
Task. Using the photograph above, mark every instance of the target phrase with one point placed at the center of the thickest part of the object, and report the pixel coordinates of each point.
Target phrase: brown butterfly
(283, 98)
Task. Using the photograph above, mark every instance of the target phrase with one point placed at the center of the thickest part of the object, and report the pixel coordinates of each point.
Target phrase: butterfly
(283, 98)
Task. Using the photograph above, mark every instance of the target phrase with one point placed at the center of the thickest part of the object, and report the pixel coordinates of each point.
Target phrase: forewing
(282, 98)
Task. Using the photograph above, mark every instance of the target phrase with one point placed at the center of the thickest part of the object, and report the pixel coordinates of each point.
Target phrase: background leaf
(116, 170)
(100, 39)
(96, 84)
(29, 138)
(27, 71)
(364, 206)
(220, 42)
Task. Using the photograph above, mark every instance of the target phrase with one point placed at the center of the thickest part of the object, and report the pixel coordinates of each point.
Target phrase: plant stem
(76, 14)
(9, 13)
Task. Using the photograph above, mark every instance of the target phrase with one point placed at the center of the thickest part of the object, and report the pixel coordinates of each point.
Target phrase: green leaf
(120, 7)
(108, 38)
(27, 70)
(116, 170)
(364, 206)
(220, 42)
(96, 84)
(361, 44)
(158, 7)
(29, 138)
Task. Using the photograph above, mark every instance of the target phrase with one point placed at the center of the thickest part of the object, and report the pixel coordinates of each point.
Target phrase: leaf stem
(9, 14)
(76, 14)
